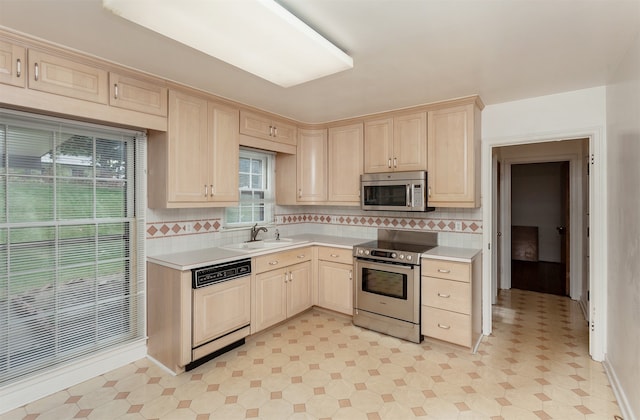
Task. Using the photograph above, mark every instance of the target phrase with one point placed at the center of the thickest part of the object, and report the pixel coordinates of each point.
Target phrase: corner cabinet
(195, 163)
(453, 144)
(346, 153)
(396, 144)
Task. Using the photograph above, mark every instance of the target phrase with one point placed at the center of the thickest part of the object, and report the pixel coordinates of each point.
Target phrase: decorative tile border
(157, 230)
(433, 225)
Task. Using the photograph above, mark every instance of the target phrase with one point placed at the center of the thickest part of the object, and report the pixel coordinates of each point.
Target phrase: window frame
(268, 202)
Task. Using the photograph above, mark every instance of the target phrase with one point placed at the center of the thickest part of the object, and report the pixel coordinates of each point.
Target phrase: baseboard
(623, 401)
(23, 392)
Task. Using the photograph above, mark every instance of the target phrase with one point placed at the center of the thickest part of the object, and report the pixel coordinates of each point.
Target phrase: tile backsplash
(175, 230)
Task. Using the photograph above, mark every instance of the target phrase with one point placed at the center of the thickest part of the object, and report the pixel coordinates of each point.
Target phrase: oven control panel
(387, 255)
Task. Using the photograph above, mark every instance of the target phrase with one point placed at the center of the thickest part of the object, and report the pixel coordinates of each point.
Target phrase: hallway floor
(535, 365)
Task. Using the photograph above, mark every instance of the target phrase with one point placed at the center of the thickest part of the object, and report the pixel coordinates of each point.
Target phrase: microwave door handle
(409, 195)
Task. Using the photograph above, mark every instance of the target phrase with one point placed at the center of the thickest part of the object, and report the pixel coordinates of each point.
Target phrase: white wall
(536, 200)
(623, 154)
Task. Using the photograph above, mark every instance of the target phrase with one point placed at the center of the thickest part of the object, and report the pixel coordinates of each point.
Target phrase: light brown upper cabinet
(13, 64)
(454, 156)
(265, 127)
(345, 163)
(137, 95)
(61, 76)
(195, 163)
(311, 173)
(396, 144)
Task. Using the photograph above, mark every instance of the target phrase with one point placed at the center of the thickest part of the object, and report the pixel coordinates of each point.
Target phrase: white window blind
(71, 244)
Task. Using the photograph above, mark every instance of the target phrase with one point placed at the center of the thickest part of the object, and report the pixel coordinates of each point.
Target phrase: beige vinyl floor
(317, 365)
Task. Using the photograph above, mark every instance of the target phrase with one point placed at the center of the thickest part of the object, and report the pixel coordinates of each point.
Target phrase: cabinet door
(137, 95)
(378, 138)
(188, 160)
(53, 74)
(312, 165)
(410, 142)
(299, 288)
(223, 153)
(335, 286)
(13, 64)
(271, 299)
(220, 309)
(451, 157)
(346, 154)
(285, 133)
(255, 125)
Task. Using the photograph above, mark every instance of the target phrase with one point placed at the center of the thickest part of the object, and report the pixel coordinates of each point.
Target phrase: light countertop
(188, 260)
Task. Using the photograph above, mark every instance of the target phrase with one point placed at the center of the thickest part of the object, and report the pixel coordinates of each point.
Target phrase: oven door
(387, 289)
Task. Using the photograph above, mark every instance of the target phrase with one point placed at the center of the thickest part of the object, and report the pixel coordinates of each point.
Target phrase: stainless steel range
(387, 287)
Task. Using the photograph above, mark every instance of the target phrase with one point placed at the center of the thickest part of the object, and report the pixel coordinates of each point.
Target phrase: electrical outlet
(188, 228)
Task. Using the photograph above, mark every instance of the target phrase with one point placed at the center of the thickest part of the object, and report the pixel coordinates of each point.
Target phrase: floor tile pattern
(318, 365)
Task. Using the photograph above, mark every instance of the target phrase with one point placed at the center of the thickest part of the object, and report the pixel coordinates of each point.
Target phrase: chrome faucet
(255, 230)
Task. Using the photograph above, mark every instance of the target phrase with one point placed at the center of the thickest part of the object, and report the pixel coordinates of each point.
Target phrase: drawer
(446, 326)
(451, 270)
(339, 255)
(282, 259)
(447, 294)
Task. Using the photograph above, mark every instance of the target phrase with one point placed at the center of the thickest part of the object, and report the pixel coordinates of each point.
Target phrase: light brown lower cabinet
(282, 287)
(451, 300)
(335, 279)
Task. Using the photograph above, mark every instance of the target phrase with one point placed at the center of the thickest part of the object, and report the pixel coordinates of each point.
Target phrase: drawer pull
(443, 295)
(301, 256)
(273, 262)
(444, 327)
(441, 270)
(334, 255)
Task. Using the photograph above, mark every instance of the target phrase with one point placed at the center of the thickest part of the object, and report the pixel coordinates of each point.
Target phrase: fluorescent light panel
(258, 36)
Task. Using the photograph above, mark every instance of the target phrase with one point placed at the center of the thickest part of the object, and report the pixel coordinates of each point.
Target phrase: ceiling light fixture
(258, 36)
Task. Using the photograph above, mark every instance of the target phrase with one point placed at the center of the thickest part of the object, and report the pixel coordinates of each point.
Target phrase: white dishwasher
(221, 313)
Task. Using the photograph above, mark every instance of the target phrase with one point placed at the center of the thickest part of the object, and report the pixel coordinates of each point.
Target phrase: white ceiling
(406, 52)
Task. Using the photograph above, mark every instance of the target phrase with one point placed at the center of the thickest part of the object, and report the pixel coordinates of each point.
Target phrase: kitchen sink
(258, 245)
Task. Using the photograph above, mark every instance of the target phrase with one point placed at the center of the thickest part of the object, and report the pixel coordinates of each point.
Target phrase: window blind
(71, 241)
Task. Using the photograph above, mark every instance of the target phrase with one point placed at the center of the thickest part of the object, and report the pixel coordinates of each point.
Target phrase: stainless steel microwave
(396, 191)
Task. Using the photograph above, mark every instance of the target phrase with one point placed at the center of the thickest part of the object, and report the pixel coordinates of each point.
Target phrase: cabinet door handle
(18, 67)
(273, 262)
(350, 274)
(275, 131)
(444, 327)
(389, 163)
(206, 191)
(444, 296)
(270, 131)
(440, 270)
(211, 187)
(290, 276)
(115, 91)
(300, 193)
(36, 71)
(395, 162)
(286, 277)
(429, 191)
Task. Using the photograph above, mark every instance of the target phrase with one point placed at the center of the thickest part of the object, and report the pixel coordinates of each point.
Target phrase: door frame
(598, 229)
(575, 228)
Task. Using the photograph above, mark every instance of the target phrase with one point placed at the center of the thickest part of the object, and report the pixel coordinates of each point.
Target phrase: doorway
(540, 218)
